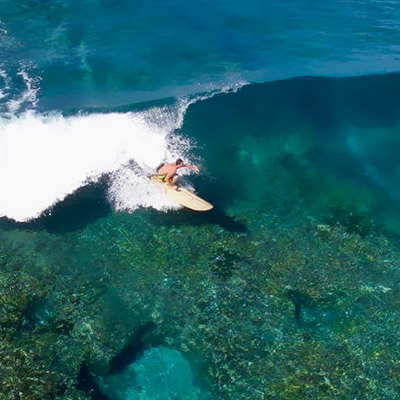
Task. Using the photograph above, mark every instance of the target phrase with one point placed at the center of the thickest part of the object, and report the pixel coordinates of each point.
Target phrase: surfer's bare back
(167, 172)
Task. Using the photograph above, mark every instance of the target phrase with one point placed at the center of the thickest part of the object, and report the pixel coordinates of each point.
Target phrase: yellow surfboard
(184, 197)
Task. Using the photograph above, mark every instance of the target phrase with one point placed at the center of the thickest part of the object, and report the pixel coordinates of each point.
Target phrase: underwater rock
(160, 374)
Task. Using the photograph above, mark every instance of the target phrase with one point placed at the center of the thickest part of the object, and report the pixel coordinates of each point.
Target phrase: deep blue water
(101, 52)
(291, 110)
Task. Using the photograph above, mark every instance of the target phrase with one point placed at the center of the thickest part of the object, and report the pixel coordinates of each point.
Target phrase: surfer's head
(178, 162)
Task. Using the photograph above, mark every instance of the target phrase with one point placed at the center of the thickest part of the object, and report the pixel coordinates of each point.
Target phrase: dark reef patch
(87, 384)
(226, 262)
(352, 220)
(310, 313)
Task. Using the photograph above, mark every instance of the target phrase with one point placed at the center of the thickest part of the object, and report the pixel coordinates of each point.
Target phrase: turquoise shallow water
(288, 288)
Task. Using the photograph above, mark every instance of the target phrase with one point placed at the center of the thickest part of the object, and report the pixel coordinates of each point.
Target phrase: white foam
(131, 187)
(29, 95)
(6, 84)
(45, 158)
(130, 190)
(3, 30)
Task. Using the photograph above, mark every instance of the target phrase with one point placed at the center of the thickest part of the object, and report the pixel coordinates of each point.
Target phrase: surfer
(167, 172)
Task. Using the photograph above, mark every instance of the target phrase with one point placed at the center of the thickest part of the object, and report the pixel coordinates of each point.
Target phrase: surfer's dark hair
(179, 161)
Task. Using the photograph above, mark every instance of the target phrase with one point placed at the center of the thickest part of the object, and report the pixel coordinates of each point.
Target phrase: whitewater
(45, 157)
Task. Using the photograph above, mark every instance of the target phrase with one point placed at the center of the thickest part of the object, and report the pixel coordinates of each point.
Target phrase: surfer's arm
(192, 167)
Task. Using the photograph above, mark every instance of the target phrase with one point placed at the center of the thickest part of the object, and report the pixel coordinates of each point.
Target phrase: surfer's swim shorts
(162, 177)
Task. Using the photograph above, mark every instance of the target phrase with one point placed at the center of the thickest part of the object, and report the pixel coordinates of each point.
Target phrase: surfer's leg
(174, 182)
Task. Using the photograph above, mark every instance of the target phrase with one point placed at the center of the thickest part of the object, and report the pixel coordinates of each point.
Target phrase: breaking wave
(43, 158)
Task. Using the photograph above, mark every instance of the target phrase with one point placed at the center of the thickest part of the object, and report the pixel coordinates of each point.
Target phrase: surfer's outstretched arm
(192, 167)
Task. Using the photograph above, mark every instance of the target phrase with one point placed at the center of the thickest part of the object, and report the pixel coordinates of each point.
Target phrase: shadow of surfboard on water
(184, 217)
(218, 193)
(89, 203)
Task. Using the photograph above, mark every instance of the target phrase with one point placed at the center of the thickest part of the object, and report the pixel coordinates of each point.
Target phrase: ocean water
(288, 288)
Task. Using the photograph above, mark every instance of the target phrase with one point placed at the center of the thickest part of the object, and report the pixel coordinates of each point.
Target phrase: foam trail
(6, 84)
(29, 95)
(45, 158)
